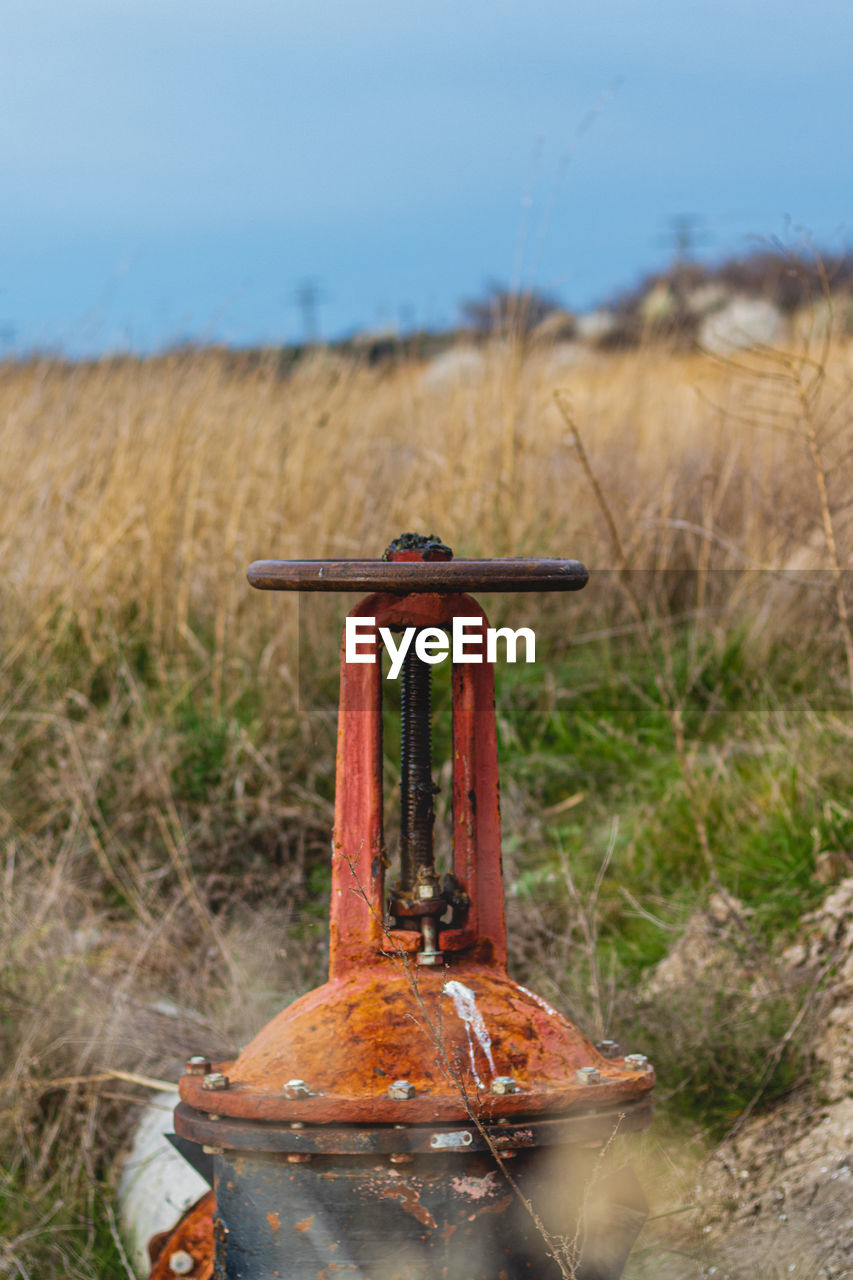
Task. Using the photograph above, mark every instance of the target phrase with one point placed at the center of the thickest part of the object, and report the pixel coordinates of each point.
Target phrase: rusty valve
(423, 1057)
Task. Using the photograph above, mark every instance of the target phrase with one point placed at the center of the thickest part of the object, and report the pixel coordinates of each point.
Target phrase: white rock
(595, 325)
(460, 366)
(742, 323)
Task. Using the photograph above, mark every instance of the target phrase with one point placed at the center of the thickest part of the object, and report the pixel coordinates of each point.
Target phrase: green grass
(764, 770)
(63, 1229)
(250, 786)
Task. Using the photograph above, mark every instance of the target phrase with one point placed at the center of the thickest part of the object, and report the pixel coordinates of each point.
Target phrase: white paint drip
(543, 1004)
(465, 1003)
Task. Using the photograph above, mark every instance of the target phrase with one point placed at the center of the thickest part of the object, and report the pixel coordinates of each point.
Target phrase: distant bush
(675, 301)
(505, 311)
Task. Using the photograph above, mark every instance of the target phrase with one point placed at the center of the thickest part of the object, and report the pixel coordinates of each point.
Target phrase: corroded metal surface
(595, 1126)
(189, 1242)
(357, 931)
(434, 1216)
(450, 1032)
(365, 1129)
(402, 577)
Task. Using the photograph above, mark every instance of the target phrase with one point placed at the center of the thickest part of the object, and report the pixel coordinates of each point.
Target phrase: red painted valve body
(472, 1046)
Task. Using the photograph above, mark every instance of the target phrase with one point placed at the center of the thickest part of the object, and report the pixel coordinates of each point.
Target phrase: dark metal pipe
(416, 786)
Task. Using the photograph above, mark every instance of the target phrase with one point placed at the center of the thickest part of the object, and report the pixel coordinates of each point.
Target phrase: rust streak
(498, 1207)
(410, 1201)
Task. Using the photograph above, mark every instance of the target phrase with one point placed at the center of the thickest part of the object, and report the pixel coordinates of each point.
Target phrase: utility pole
(308, 296)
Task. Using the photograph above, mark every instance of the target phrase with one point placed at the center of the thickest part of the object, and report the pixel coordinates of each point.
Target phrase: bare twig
(111, 1221)
(64, 1082)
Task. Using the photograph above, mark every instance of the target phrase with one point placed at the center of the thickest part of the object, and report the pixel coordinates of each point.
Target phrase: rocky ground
(774, 1198)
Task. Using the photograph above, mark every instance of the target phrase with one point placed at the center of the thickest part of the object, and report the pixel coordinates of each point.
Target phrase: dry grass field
(166, 764)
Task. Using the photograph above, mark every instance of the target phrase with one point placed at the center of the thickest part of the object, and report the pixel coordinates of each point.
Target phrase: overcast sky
(175, 170)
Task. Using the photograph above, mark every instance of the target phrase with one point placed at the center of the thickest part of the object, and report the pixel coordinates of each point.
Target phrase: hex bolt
(505, 1084)
(588, 1075)
(608, 1048)
(427, 886)
(215, 1080)
(637, 1062)
(197, 1066)
(296, 1089)
(401, 1089)
(181, 1262)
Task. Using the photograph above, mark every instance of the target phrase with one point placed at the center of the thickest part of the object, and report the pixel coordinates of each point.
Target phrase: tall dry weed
(134, 802)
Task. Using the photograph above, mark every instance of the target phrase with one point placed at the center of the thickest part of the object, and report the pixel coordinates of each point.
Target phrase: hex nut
(296, 1089)
(181, 1262)
(505, 1084)
(637, 1062)
(608, 1048)
(215, 1080)
(401, 1089)
(588, 1075)
(197, 1066)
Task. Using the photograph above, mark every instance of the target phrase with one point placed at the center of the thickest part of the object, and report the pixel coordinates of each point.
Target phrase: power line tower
(685, 235)
(309, 295)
